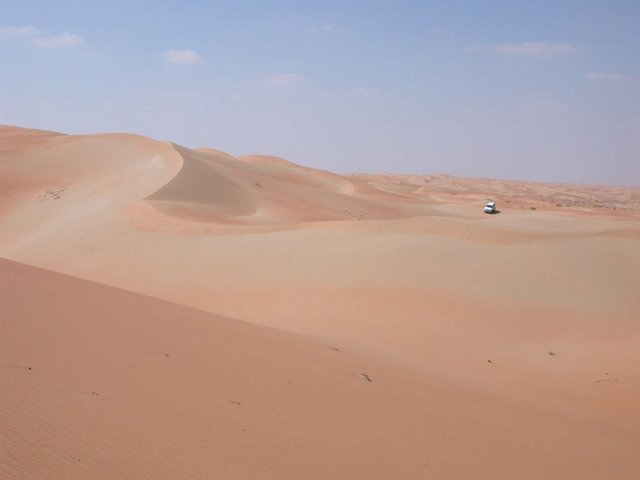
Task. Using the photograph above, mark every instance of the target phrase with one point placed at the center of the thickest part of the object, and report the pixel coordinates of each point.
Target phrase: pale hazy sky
(542, 90)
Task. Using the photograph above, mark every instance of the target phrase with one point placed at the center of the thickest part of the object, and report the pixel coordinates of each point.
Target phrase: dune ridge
(216, 188)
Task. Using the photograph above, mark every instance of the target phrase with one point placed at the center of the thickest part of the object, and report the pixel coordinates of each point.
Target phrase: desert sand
(169, 312)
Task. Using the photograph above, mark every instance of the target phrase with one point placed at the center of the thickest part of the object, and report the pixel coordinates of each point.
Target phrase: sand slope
(101, 383)
(532, 313)
(215, 188)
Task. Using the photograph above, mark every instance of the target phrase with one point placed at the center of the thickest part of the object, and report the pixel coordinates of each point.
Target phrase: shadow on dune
(216, 188)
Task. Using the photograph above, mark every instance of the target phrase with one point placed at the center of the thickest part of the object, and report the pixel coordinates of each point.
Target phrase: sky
(535, 90)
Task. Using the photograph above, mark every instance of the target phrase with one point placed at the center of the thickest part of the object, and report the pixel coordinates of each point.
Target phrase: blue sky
(540, 90)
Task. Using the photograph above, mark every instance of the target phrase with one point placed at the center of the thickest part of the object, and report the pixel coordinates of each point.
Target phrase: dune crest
(217, 189)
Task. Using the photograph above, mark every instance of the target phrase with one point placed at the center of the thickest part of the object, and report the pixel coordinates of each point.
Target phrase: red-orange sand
(177, 313)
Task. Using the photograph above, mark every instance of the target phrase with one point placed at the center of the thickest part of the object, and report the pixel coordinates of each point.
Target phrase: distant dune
(182, 313)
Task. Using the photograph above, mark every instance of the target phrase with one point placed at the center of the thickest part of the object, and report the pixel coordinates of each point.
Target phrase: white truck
(490, 207)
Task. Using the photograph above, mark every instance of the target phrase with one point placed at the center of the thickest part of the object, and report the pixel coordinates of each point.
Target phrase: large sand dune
(513, 337)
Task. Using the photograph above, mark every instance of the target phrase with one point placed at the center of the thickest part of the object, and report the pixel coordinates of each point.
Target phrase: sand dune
(214, 188)
(515, 333)
(103, 383)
